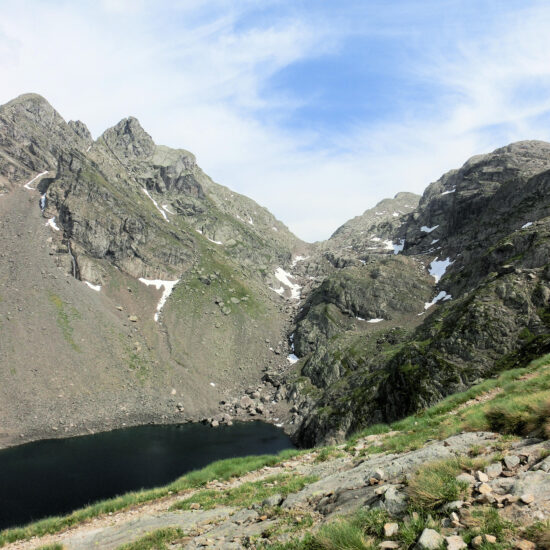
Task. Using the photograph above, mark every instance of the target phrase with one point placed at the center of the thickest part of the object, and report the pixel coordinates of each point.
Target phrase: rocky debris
(429, 540)
(455, 542)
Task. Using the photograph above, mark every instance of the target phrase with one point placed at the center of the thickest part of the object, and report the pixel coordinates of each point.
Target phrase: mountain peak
(129, 140)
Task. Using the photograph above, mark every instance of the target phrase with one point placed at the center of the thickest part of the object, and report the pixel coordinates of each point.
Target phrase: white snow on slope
(284, 278)
(97, 288)
(388, 245)
(52, 224)
(528, 224)
(427, 229)
(28, 184)
(166, 209)
(438, 267)
(292, 359)
(397, 248)
(298, 259)
(441, 297)
(207, 238)
(156, 205)
(450, 191)
(375, 320)
(158, 284)
(43, 202)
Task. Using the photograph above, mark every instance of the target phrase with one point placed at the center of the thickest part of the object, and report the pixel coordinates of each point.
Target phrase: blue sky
(315, 109)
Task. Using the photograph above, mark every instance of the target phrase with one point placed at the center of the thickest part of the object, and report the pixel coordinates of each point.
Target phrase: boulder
(429, 540)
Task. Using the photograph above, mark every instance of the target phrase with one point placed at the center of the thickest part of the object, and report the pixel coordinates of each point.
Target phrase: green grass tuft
(156, 540)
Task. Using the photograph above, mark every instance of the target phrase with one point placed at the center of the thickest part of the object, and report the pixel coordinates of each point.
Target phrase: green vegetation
(64, 317)
(435, 484)
(221, 470)
(156, 540)
(524, 395)
(247, 493)
(51, 547)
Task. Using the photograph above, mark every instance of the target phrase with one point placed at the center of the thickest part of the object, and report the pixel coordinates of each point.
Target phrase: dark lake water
(56, 476)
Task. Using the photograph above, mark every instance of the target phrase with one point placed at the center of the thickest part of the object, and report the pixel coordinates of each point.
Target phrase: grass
(156, 540)
(64, 318)
(247, 493)
(435, 484)
(221, 470)
(487, 521)
(526, 400)
(56, 546)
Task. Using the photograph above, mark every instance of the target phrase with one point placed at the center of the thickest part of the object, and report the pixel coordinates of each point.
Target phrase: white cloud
(198, 82)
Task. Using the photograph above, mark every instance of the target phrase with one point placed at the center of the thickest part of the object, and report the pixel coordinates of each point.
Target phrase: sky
(315, 109)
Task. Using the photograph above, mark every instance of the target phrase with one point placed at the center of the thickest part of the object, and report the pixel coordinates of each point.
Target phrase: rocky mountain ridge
(157, 295)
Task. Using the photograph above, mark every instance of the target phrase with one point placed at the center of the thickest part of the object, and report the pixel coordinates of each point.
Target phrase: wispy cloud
(201, 78)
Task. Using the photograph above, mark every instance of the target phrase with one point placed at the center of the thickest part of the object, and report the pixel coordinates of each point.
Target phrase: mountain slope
(177, 311)
(481, 236)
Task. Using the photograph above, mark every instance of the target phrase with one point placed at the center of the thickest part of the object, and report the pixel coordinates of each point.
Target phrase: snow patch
(284, 278)
(450, 191)
(293, 359)
(397, 248)
(158, 284)
(156, 205)
(438, 267)
(97, 288)
(376, 239)
(427, 229)
(395, 215)
(441, 297)
(250, 220)
(52, 224)
(89, 147)
(28, 184)
(166, 209)
(212, 384)
(376, 320)
(43, 202)
(435, 241)
(207, 238)
(274, 228)
(298, 259)
(388, 245)
(528, 224)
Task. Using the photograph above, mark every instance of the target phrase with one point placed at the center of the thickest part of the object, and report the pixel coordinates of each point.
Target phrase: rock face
(483, 233)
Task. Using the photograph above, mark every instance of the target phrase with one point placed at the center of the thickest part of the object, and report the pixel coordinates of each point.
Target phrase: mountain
(466, 297)
(96, 234)
(135, 289)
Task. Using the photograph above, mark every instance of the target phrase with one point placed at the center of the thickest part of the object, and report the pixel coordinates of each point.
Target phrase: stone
(491, 539)
(527, 498)
(453, 506)
(389, 545)
(466, 478)
(455, 542)
(523, 544)
(477, 541)
(194, 506)
(133, 318)
(379, 475)
(481, 476)
(493, 470)
(430, 540)
(390, 529)
(214, 423)
(511, 461)
(273, 500)
(395, 502)
(484, 489)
